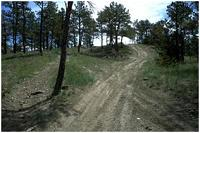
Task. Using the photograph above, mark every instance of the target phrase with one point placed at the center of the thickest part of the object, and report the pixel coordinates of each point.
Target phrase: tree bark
(101, 38)
(24, 30)
(121, 41)
(177, 38)
(41, 28)
(182, 49)
(4, 39)
(47, 40)
(14, 23)
(63, 55)
(79, 33)
(51, 44)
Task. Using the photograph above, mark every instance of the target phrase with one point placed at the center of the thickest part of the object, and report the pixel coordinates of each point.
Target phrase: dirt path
(121, 103)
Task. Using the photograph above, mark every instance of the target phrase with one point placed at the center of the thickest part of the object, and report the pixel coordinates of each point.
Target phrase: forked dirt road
(121, 102)
(118, 101)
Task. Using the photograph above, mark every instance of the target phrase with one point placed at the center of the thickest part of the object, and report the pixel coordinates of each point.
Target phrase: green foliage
(114, 20)
(107, 52)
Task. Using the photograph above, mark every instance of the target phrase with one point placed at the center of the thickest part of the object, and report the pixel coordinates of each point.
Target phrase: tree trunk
(47, 40)
(111, 32)
(116, 43)
(4, 39)
(15, 22)
(79, 34)
(31, 43)
(51, 44)
(74, 38)
(101, 39)
(177, 38)
(63, 55)
(121, 41)
(43, 41)
(182, 49)
(24, 30)
(41, 28)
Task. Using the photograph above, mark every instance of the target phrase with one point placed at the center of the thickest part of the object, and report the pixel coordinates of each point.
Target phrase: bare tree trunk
(24, 30)
(51, 44)
(121, 41)
(63, 55)
(177, 38)
(79, 33)
(47, 40)
(101, 39)
(41, 28)
(15, 22)
(4, 38)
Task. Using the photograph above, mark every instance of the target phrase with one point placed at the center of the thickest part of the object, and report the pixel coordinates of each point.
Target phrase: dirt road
(121, 102)
(118, 101)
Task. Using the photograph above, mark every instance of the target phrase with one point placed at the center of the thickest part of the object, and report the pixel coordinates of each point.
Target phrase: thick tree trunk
(63, 55)
(41, 28)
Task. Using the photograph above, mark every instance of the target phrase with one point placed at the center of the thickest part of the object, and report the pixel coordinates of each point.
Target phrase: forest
(54, 77)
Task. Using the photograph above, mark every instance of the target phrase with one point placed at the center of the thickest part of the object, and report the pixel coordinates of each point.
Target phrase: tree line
(26, 30)
(176, 36)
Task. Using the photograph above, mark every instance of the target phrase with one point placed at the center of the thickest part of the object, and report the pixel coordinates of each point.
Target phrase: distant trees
(176, 36)
(143, 29)
(82, 17)
(113, 20)
(179, 16)
(41, 5)
(4, 32)
(23, 29)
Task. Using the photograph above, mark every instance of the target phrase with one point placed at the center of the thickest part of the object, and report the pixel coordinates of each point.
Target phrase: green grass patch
(15, 68)
(107, 52)
(82, 70)
(178, 78)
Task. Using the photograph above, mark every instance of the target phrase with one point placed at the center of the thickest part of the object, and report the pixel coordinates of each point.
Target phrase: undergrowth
(177, 78)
